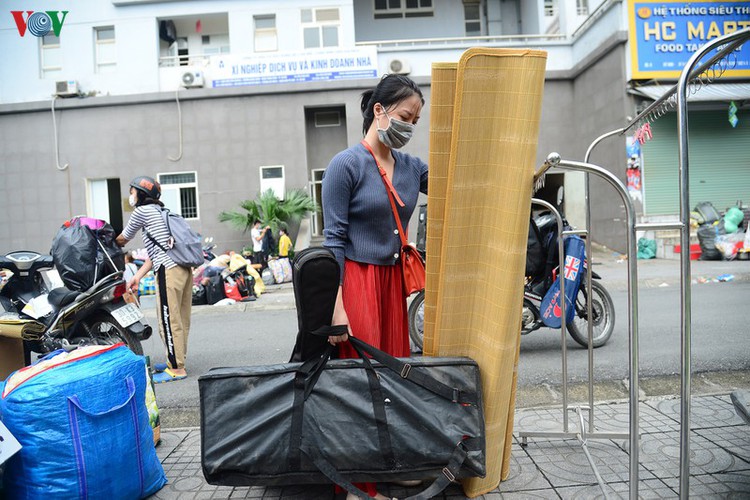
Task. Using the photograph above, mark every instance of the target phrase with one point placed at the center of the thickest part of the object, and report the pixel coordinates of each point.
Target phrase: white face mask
(132, 200)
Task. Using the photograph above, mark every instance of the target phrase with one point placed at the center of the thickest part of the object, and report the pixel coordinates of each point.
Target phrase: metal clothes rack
(692, 79)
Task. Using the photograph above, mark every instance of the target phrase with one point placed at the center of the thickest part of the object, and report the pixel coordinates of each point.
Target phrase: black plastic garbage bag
(199, 295)
(707, 234)
(116, 260)
(80, 259)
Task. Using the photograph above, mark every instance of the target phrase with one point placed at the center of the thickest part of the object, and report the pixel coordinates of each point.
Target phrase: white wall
(137, 39)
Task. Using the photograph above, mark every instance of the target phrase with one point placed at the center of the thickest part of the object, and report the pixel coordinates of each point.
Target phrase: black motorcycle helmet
(148, 186)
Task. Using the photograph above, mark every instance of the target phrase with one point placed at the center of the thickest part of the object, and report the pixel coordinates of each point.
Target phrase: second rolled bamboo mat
(475, 295)
(443, 91)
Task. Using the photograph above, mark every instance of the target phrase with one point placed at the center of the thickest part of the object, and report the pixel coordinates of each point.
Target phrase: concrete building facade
(221, 99)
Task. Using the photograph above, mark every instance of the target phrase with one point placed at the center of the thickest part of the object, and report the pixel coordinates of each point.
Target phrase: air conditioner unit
(399, 66)
(192, 78)
(66, 88)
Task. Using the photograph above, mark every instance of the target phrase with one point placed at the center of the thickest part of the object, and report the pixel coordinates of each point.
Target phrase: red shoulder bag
(412, 264)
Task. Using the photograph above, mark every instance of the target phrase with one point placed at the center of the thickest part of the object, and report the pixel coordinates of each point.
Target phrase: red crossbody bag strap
(391, 194)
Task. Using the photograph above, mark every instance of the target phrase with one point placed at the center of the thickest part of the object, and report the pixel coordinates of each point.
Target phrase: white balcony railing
(502, 40)
(188, 60)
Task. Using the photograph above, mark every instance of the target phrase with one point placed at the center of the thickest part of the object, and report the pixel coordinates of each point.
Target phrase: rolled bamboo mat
(480, 277)
(443, 90)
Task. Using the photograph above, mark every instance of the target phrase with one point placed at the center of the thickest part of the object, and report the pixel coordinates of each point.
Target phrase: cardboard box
(11, 356)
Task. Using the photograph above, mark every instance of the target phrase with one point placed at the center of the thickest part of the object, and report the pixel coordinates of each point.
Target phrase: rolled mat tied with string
(477, 292)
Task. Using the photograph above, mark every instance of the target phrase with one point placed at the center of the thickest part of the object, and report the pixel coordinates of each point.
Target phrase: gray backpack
(184, 244)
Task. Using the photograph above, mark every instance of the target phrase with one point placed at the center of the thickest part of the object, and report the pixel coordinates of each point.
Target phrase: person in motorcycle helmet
(174, 283)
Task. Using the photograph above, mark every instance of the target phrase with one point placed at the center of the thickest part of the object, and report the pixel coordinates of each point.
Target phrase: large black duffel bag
(343, 420)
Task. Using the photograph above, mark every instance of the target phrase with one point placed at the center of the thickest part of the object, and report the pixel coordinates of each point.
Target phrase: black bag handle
(447, 476)
(402, 368)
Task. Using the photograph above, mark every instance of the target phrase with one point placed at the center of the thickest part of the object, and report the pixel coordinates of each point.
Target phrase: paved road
(720, 338)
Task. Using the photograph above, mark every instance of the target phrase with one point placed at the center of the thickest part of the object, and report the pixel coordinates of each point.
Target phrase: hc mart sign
(664, 34)
(39, 23)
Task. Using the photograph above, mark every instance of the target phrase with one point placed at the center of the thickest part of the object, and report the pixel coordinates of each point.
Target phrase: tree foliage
(270, 210)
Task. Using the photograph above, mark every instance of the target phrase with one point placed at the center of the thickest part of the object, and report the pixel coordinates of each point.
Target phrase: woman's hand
(133, 283)
(339, 318)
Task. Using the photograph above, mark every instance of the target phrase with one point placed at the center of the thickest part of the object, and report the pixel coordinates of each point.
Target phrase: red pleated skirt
(375, 304)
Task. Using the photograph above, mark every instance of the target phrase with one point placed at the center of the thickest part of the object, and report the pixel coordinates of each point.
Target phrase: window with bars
(266, 37)
(105, 49)
(385, 9)
(472, 19)
(179, 193)
(320, 27)
(50, 56)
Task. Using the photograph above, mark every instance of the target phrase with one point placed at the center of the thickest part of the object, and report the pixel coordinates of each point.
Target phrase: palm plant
(271, 211)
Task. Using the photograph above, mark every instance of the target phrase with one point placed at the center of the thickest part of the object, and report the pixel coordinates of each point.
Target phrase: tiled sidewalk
(549, 468)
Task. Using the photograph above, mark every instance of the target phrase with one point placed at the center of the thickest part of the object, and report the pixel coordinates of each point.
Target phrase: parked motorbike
(602, 306)
(208, 247)
(62, 318)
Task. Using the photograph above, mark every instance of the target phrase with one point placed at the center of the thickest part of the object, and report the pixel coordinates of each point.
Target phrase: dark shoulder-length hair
(144, 199)
(391, 89)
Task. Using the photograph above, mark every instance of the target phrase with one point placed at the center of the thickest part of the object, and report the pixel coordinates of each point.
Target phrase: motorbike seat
(60, 297)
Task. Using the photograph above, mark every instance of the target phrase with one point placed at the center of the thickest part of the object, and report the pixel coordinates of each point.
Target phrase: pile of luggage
(722, 236)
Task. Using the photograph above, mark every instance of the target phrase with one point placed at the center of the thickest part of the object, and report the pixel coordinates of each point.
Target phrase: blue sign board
(665, 34)
(309, 66)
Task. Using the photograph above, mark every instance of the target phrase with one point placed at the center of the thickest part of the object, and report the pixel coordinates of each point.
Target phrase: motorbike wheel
(105, 330)
(603, 311)
(416, 321)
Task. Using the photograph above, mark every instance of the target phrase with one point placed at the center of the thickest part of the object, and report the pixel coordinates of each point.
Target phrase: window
(472, 19)
(385, 9)
(320, 28)
(550, 8)
(50, 56)
(582, 7)
(272, 177)
(266, 38)
(215, 44)
(105, 49)
(179, 193)
(327, 119)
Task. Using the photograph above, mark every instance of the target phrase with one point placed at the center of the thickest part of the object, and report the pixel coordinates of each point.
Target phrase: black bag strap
(378, 404)
(305, 379)
(449, 473)
(402, 368)
(165, 216)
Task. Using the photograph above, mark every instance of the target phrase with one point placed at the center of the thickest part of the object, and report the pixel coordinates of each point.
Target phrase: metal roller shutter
(719, 162)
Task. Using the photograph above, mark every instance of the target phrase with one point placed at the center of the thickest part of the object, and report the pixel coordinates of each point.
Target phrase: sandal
(167, 376)
(160, 367)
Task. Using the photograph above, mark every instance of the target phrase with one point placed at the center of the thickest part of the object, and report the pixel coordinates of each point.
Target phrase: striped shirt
(149, 218)
(359, 223)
